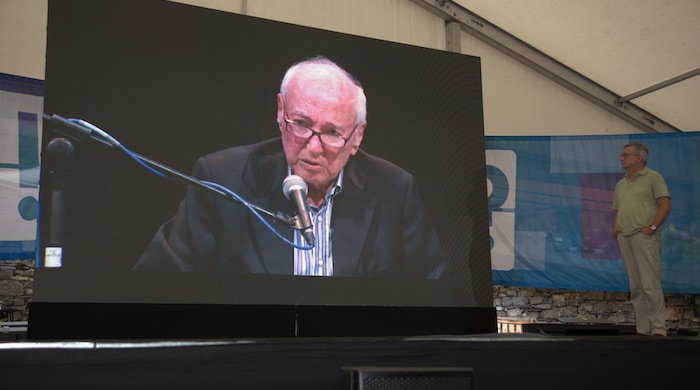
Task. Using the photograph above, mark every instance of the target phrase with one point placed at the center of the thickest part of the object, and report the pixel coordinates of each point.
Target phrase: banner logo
(501, 185)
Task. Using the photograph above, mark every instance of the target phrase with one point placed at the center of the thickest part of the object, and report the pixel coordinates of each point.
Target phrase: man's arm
(664, 210)
(421, 243)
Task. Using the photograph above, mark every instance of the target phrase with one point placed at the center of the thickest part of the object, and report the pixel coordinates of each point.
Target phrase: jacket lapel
(263, 175)
(352, 213)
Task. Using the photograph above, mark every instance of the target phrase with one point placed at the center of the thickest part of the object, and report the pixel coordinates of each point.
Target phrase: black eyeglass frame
(320, 135)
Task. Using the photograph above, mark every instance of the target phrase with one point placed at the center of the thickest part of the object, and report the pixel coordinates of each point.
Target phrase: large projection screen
(174, 82)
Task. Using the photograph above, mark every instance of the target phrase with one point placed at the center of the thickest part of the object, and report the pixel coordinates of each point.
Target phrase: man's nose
(314, 143)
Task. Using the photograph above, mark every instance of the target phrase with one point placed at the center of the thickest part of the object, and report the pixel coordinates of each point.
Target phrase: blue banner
(21, 105)
(550, 210)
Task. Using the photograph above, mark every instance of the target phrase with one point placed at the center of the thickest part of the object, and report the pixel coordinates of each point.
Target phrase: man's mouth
(312, 163)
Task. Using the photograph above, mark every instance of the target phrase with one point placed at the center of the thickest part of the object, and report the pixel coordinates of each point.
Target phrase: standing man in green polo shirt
(642, 203)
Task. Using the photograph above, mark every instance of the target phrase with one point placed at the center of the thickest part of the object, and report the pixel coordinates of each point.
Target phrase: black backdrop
(170, 81)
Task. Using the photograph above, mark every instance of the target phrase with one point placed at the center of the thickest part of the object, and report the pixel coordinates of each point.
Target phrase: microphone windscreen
(293, 182)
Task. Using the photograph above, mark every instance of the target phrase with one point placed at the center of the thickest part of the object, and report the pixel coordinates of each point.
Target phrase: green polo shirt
(635, 200)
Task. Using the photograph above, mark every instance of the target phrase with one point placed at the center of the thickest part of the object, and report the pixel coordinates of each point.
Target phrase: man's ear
(358, 137)
(280, 110)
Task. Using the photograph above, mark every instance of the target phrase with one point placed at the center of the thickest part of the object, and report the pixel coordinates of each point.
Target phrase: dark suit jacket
(379, 224)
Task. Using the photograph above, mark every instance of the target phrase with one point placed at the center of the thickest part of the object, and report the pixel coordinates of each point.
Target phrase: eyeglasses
(625, 155)
(329, 138)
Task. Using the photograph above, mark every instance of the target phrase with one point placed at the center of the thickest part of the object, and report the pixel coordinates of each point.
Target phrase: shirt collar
(643, 172)
(333, 191)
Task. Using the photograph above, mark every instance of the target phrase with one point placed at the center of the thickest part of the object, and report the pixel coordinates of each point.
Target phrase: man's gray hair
(360, 99)
(641, 149)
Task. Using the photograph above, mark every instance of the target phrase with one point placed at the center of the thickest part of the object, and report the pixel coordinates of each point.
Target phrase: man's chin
(309, 172)
(311, 177)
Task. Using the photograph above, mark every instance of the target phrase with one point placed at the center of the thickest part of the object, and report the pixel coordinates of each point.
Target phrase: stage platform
(499, 361)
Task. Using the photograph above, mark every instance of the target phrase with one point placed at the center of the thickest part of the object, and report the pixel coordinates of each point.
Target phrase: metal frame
(454, 14)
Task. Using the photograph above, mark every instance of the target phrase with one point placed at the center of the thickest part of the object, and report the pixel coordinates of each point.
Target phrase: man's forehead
(312, 100)
(326, 79)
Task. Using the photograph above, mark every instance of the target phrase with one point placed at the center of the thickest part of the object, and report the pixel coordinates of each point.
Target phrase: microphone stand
(56, 159)
(79, 133)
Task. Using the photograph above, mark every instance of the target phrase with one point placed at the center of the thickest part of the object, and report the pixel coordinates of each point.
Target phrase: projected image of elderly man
(367, 214)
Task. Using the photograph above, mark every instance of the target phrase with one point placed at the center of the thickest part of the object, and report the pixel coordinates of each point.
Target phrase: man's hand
(647, 231)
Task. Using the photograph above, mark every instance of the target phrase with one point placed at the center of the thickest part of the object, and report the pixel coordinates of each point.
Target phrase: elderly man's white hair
(323, 63)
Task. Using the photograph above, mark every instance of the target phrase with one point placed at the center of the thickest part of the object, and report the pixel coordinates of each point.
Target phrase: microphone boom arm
(277, 217)
(79, 132)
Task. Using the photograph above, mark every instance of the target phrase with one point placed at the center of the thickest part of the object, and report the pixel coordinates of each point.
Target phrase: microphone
(78, 130)
(295, 189)
(67, 128)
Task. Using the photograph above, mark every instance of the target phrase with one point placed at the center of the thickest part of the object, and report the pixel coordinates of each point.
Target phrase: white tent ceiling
(606, 49)
(624, 46)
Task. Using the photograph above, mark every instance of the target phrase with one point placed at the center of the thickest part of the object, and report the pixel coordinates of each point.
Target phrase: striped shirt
(318, 261)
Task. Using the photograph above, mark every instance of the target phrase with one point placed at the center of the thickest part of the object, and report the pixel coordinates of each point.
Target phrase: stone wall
(16, 288)
(556, 306)
(523, 304)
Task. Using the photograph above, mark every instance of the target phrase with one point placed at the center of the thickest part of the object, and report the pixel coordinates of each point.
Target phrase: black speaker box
(406, 378)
